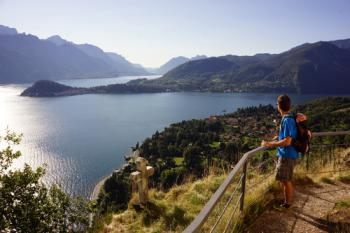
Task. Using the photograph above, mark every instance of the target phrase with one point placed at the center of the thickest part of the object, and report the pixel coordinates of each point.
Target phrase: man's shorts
(284, 168)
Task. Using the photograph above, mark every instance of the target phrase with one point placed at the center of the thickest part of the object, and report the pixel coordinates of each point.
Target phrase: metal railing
(241, 166)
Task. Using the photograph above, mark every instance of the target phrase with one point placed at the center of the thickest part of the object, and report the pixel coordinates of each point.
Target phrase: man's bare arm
(284, 142)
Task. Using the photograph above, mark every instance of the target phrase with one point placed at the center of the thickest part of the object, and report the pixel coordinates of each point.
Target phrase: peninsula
(47, 88)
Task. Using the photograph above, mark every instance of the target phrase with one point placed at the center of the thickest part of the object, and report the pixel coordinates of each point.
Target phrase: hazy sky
(150, 32)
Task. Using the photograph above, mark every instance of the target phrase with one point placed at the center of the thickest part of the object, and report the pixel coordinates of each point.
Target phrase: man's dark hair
(284, 102)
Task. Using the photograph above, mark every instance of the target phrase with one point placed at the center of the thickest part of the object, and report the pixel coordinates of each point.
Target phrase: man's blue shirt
(288, 128)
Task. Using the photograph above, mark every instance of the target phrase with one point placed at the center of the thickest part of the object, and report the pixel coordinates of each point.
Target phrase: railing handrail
(332, 133)
(198, 222)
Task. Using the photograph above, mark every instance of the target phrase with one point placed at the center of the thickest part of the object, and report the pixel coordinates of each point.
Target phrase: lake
(83, 138)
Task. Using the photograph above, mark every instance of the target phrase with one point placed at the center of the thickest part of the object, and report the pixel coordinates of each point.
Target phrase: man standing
(286, 153)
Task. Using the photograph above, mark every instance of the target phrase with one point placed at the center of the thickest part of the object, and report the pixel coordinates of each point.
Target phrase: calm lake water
(83, 138)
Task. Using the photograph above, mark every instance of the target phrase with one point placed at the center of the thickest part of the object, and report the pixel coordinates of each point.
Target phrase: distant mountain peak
(178, 58)
(198, 57)
(175, 62)
(56, 39)
(4, 30)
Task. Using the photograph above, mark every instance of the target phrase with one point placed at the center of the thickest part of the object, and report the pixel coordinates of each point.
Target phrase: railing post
(243, 185)
(323, 157)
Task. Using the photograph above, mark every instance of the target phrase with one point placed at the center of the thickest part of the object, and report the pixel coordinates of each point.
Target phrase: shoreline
(97, 188)
(99, 184)
(95, 193)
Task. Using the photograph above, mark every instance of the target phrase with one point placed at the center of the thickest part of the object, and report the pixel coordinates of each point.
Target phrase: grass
(256, 202)
(178, 160)
(342, 204)
(344, 179)
(215, 145)
(339, 217)
(327, 180)
(100, 222)
(302, 179)
(173, 210)
(168, 211)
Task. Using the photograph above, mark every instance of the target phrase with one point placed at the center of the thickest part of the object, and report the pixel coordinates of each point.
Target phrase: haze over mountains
(26, 58)
(120, 64)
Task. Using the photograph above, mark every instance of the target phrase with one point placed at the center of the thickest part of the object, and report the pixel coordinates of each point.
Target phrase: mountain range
(311, 68)
(321, 67)
(120, 64)
(26, 58)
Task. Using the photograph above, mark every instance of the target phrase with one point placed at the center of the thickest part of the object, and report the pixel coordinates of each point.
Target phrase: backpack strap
(289, 115)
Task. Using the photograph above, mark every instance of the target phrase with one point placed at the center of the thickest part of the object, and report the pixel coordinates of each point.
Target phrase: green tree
(115, 194)
(27, 205)
(193, 160)
(172, 176)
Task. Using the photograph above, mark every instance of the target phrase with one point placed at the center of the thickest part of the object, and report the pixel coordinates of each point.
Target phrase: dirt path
(309, 212)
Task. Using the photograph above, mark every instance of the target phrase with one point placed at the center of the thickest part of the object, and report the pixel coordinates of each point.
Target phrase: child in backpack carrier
(302, 142)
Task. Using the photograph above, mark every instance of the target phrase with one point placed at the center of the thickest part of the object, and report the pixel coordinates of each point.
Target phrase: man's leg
(284, 174)
(283, 186)
(288, 191)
